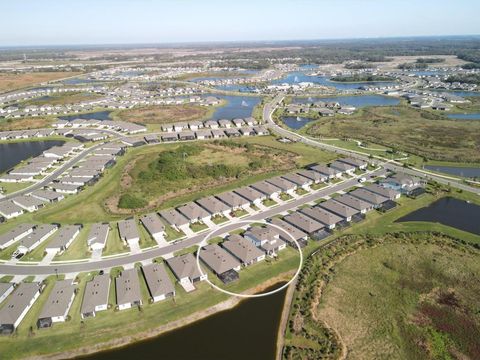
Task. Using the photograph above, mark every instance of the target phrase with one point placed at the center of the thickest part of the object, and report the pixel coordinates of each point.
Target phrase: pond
(468, 172)
(11, 154)
(97, 115)
(472, 116)
(357, 101)
(295, 122)
(451, 212)
(236, 107)
(248, 331)
(79, 81)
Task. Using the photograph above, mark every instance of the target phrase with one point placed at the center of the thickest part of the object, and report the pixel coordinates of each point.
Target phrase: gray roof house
(127, 287)
(10, 210)
(297, 234)
(213, 206)
(327, 171)
(95, 297)
(267, 238)
(283, 184)
(154, 225)
(15, 234)
(48, 195)
(97, 237)
(303, 222)
(375, 199)
(5, 290)
(313, 175)
(354, 202)
(343, 167)
(174, 218)
(380, 190)
(266, 188)
(128, 231)
(58, 304)
(250, 194)
(218, 260)
(158, 282)
(185, 269)
(342, 210)
(29, 203)
(233, 200)
(243, 249)
(63, 238)
(323, 216)
(360, 164)
(193, 212)
(297, 179)
(17, 306)
(39, 235)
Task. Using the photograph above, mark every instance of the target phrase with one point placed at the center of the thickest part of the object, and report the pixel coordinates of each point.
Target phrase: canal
(467, 172)
(451, 212)
(11, 154)
(248, 331)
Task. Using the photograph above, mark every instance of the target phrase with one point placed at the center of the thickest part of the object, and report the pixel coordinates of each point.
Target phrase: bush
(129, 201)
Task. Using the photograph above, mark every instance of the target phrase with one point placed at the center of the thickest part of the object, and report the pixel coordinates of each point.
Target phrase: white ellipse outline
(204, 242)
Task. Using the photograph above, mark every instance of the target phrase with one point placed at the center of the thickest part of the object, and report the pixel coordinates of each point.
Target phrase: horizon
(108, 22)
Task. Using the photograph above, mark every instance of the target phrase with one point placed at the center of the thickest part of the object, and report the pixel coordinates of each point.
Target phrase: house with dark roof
(343, 167)
(185, 268)
(375, 199)
(303, 222)
(267, 189)
(222, 263)
(354, 202)
(342, 210)
(297, 234)
(127, 287)
(158, 282)
(298, 180)
(95, 297)
(382, 191)
(283, 184)
(254, 197)
(174, 219)
(193, 212)
(58, 304)
(154, 225)
(244, 250)
(214, 206)
(327, 218)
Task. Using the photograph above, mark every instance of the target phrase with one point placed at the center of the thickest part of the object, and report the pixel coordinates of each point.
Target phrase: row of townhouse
(211, 124)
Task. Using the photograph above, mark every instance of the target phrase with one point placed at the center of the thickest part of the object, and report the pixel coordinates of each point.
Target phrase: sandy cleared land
(10, 82)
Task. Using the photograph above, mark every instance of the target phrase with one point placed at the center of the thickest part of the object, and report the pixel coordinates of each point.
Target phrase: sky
(74, 22)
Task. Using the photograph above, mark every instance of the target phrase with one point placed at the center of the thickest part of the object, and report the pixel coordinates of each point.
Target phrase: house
(158, 282)
(295, 232)
(177, 127)
(314, 176)
(167, 137)
(33, 240)
(303, 222)
(224, 123)
(212, 124)
(214, 206)
(127, 287)
(5, 290)
(342, 167)
(354, 202)
(327, 218)
(151, 139)
(218, 134)
(28, 203)
(385, 192)
(17, 306)
(174, 218)
(48, 195)
(298, 180)
(63, 238)
(186, 135)
(250, 121)
(238, 122)
(58, 304)
(283, 184)
(15, 234)
(244, 250)
(233, 200)
(359, 164)
(260, 130)
(10, 210)
(253, 196)
(402, 182)
(203, 134)
(154, 226)
(65, 188)
(246, 131)
(342, 210)
(222, 263)
(232, 133)
(267, 238)
(97, 237)
(167, 127)
(375, 199)
(326, 171)
(193, 212)
(195, 125)
(128, 232)
(267, 189)
(95, 298)
(185, 269)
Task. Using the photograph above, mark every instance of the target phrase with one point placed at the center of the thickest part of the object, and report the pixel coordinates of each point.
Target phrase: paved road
(394, 166)
(153, 253)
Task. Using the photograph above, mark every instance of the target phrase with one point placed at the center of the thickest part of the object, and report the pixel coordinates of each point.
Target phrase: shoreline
(287, 304)
(115, 344)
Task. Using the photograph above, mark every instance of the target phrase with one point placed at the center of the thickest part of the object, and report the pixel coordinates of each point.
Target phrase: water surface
(468, 172)
(295, 122)
(472, 116)
(97, 115)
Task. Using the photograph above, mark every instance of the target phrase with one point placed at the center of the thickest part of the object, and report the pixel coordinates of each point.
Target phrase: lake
(451, 212)
(473, 116)
(97, 115)
(295, 122)
(248, 331)
(357, 101)
(11, 154)
(468, 172)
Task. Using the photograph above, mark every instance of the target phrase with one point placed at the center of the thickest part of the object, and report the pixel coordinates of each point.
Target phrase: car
(362, 180)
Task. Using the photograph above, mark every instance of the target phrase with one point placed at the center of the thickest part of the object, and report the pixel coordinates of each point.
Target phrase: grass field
(25, 124)
(10, 82)
(62, 99)
(424, 133)
(91, 204)
(405, 301)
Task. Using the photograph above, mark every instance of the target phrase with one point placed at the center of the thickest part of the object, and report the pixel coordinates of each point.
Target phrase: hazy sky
(44, 22)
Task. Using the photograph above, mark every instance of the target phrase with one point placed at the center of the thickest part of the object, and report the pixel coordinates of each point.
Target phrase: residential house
(15, 234)
(303, 222)
(158, 282)
(327, 218)
(244, 250)
(222, 263)
(129, 232)
(58, 304)
(63, 238)
(342, 210)
(267, 238)
(154, 226)
(127, 287)
(185, 269)
(97, 237)
(194, 213)
(95, 298)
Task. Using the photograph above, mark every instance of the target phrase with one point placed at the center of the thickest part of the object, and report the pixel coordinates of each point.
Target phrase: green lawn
(114, 245)
(219, 219)
(198, 226)
(269, 202)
